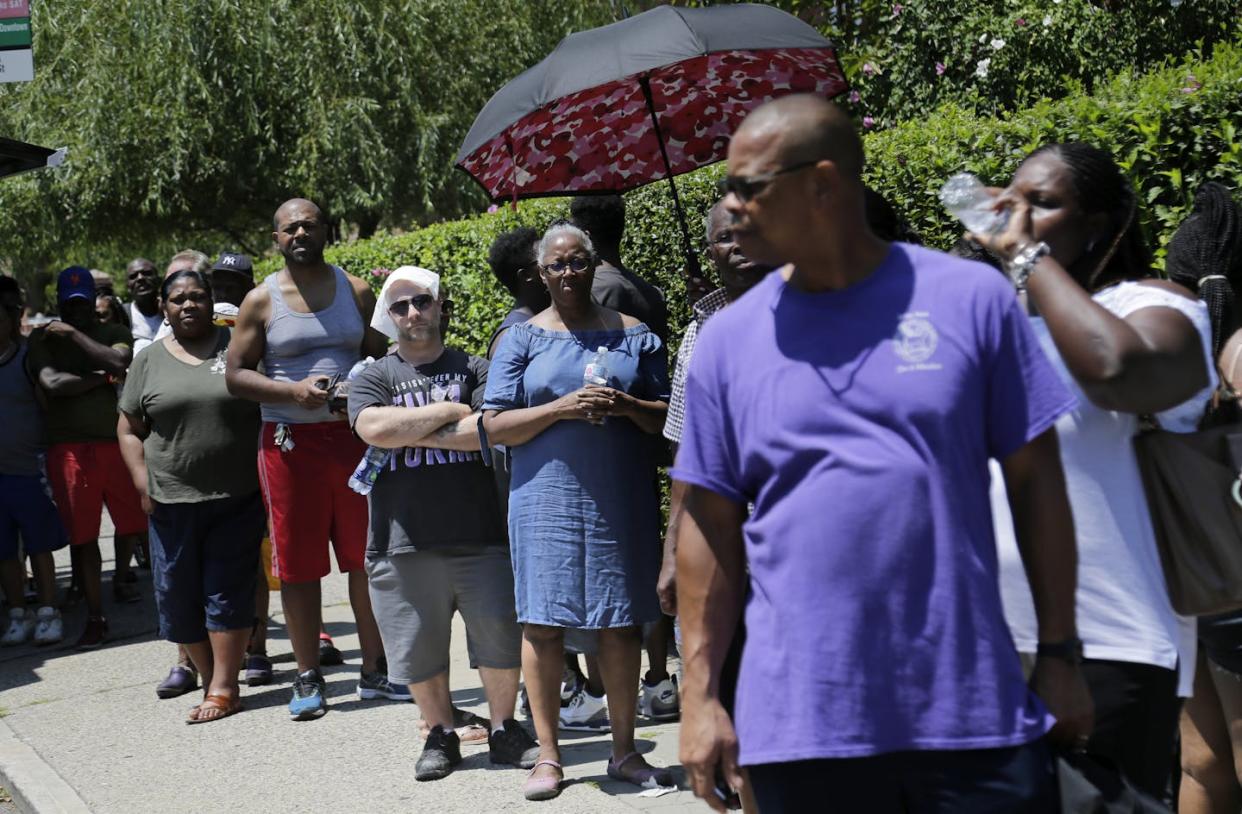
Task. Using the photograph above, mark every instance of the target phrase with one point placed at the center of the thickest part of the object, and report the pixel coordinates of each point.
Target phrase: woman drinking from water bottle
(583, 518)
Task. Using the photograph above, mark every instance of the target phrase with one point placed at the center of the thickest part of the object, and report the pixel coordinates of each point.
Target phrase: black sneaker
(329, 656)
(441, 753)
(513, 745)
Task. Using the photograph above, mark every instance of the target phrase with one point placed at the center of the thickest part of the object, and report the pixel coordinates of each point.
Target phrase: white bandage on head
(429, 280)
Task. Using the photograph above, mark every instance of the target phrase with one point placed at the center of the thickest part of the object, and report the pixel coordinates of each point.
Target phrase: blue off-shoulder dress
(583, 508)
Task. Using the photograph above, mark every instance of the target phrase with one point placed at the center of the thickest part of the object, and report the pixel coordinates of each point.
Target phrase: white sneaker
(660, 702)
(570, 684)
(585, 713)
(49, 628)
(21, 623)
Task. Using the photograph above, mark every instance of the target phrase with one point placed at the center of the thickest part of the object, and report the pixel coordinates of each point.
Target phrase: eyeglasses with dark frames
(746, 187)
(578, 265)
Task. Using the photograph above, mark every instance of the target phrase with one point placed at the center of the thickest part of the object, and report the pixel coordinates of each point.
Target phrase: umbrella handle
(693, 271)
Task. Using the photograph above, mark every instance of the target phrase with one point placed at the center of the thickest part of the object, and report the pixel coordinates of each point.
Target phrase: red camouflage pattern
(601, 139)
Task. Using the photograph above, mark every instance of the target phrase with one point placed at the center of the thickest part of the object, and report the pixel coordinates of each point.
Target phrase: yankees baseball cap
(231, 261)
(73, 283)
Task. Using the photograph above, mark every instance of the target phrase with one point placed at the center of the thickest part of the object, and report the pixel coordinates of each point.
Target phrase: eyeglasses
(576, 264)
(746, 187)
(402, 307)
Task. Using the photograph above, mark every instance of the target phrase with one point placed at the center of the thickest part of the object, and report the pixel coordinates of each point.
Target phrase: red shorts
(86, 475)
(309, 500)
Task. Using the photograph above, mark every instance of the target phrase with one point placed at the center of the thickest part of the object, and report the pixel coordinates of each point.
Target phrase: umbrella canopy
(18, 156)
(646, 98)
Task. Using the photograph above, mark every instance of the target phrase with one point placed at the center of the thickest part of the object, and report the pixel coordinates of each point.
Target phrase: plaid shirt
(703, 309)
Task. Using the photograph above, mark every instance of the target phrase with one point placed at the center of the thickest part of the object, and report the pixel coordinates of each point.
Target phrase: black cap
(231, 261)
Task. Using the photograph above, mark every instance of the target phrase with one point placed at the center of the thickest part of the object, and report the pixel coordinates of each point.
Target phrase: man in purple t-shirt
(854, 397)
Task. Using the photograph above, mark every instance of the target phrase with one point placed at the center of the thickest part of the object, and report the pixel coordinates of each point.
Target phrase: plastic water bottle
(969, 201)
(359, 366)
(369, 469)
(596, 371)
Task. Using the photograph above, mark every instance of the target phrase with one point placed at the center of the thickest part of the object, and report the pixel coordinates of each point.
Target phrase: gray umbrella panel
(654, 39)
(18, 157)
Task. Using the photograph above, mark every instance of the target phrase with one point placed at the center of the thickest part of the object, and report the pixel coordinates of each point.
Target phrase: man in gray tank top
(307, 325)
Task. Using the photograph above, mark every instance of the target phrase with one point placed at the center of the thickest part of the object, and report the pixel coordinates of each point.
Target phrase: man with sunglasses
(855, 396)
(437, 541)
(307, 325)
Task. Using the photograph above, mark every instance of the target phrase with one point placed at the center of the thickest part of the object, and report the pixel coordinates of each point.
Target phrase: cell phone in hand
(726, 794)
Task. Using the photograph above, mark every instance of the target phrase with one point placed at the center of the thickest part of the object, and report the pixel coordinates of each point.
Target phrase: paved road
(94, 720)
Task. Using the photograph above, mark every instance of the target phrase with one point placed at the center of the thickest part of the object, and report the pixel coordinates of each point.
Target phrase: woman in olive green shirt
(191, 450)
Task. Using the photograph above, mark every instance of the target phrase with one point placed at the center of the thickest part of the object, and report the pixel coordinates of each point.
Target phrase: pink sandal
(543, 788)
(646, 777)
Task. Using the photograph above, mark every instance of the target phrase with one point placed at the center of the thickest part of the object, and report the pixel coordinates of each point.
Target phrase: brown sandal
(223, 704)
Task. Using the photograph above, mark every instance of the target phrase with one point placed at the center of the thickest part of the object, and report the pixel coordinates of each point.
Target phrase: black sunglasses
(746, 187)
(576, 264)
(402, 307)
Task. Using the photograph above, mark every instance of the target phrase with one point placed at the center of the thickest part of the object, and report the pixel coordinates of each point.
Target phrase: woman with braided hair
(1206, 254)
(1128, 345)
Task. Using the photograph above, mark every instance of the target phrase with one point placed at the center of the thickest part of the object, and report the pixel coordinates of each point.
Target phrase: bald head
(803, 127)
(296, 205)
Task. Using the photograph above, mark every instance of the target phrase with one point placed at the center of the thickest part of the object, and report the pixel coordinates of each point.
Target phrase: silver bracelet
(1023, 263)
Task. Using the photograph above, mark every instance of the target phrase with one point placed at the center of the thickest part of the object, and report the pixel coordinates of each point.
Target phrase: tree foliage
(905, 58)
(191, 121)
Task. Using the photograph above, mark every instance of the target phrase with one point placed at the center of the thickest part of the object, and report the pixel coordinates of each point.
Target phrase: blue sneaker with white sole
(309, 696)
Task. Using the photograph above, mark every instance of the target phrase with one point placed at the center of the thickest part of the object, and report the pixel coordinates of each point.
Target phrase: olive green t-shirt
(89, 416)
(204, 442)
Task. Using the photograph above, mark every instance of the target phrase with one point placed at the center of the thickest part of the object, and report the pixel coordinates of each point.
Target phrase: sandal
(648, 777)
(222, 704)
(470, 728)
(543, 788)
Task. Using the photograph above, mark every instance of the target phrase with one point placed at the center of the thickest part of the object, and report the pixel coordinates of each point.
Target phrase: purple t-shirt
(860, 423)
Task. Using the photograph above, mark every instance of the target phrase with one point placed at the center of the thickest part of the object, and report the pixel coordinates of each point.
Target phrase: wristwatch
(1068, 650)
(1023, 263)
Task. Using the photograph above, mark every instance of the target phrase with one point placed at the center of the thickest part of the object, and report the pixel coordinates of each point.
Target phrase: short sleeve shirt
(89, 416)
(860, 423)
(623, 290)
(429, 498)
(204, 441)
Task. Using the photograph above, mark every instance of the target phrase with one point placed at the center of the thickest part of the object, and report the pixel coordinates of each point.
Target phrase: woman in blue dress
(583, 511)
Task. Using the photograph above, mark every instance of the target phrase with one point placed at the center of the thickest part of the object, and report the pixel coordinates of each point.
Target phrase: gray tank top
(21, 423)
(322, 343)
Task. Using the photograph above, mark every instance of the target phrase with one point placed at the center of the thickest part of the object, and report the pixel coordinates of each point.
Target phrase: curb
(34, 784)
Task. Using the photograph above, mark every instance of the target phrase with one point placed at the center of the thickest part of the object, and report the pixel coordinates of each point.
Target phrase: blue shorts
(26, 508)
(205, 560)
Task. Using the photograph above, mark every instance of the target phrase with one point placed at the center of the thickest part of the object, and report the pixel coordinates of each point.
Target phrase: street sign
(16, 56)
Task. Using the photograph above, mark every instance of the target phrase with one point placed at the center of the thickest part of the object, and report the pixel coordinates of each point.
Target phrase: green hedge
(1171, 130)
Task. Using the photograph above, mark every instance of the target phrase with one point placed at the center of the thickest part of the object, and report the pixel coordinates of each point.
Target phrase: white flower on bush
(1047, 20)
(981, 68)
(997, 44)
(983, 38)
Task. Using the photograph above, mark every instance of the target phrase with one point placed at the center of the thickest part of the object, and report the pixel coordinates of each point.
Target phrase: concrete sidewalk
(85, 732)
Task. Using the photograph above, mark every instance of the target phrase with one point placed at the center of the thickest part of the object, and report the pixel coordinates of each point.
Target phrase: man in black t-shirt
(437, 537)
